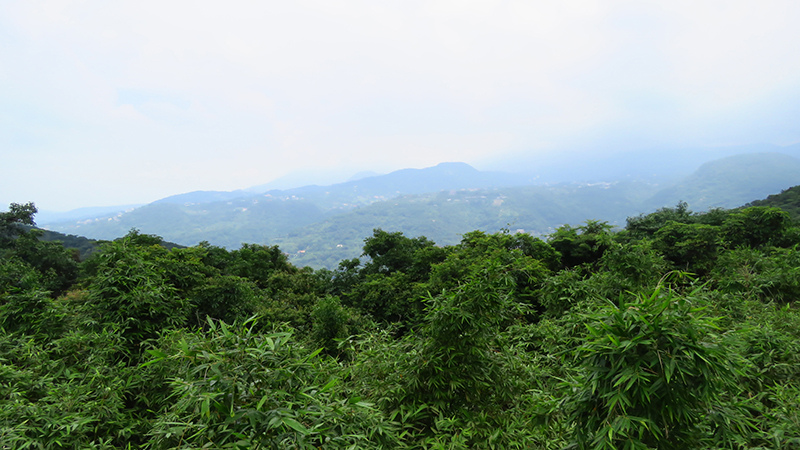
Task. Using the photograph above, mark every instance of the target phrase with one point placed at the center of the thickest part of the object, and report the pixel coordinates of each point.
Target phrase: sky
(111, 103)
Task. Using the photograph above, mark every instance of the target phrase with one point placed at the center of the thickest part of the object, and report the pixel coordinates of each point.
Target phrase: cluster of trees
(680, 331)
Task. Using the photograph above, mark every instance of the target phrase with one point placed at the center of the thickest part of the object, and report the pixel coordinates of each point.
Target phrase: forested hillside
(81, 247)
(227, 224)
(730, 182)
(320, 225)
(788, 200)
(681, 330)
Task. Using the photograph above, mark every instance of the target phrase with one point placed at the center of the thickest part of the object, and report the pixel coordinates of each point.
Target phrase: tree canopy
(680, 331)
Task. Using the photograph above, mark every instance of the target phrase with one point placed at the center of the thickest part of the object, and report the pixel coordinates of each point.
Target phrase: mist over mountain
(451, 175)
(232, 218)
(732, 181)
(364, 174)
(82, 213)
(661, 165)
(365, 190)
(203, 197)
(302, 178)
(223, 223)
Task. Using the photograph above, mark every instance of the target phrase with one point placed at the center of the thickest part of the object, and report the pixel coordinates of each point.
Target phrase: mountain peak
(455, 165)
(454, 168)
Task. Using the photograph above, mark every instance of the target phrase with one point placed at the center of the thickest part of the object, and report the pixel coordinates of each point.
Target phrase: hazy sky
(105, 103)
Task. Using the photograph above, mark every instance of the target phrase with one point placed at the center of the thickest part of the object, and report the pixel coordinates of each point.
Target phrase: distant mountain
(447, 175)
(82, 213)
(320, 225)
(444, 176)
(231, 218)
(731, 182)
(228, 223)
(665, 165)
(302, 178)
(363, 174)
(445, 216)
(203, 197)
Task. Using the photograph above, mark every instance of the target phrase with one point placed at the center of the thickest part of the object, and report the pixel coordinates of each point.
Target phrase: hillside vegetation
(732, 181)
(680, 331)
(788, 200)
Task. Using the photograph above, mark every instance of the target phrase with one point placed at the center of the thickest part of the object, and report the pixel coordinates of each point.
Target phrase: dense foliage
(680, 331)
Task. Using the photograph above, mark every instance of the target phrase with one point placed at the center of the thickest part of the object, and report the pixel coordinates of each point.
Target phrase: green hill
(226, 223)
(788, 200)
(231, 218)
(84, 246)
(731, 182)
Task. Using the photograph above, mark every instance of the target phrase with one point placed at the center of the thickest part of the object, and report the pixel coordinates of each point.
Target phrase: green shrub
(565, 289)
(236, 388)
(331, 323)
(651, 370)
(582, 245)
(691, 247)
(131, 290)
(756, 227)
(223, 297)
(773, 275)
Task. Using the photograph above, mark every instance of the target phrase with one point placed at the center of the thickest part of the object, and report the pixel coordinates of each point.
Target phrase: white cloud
(177, 96)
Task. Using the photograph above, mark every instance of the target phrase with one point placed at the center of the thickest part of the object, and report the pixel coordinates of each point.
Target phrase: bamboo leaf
(295, 425)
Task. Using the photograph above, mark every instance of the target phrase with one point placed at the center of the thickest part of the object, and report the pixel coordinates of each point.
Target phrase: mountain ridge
(335, 218)
(728, 182)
